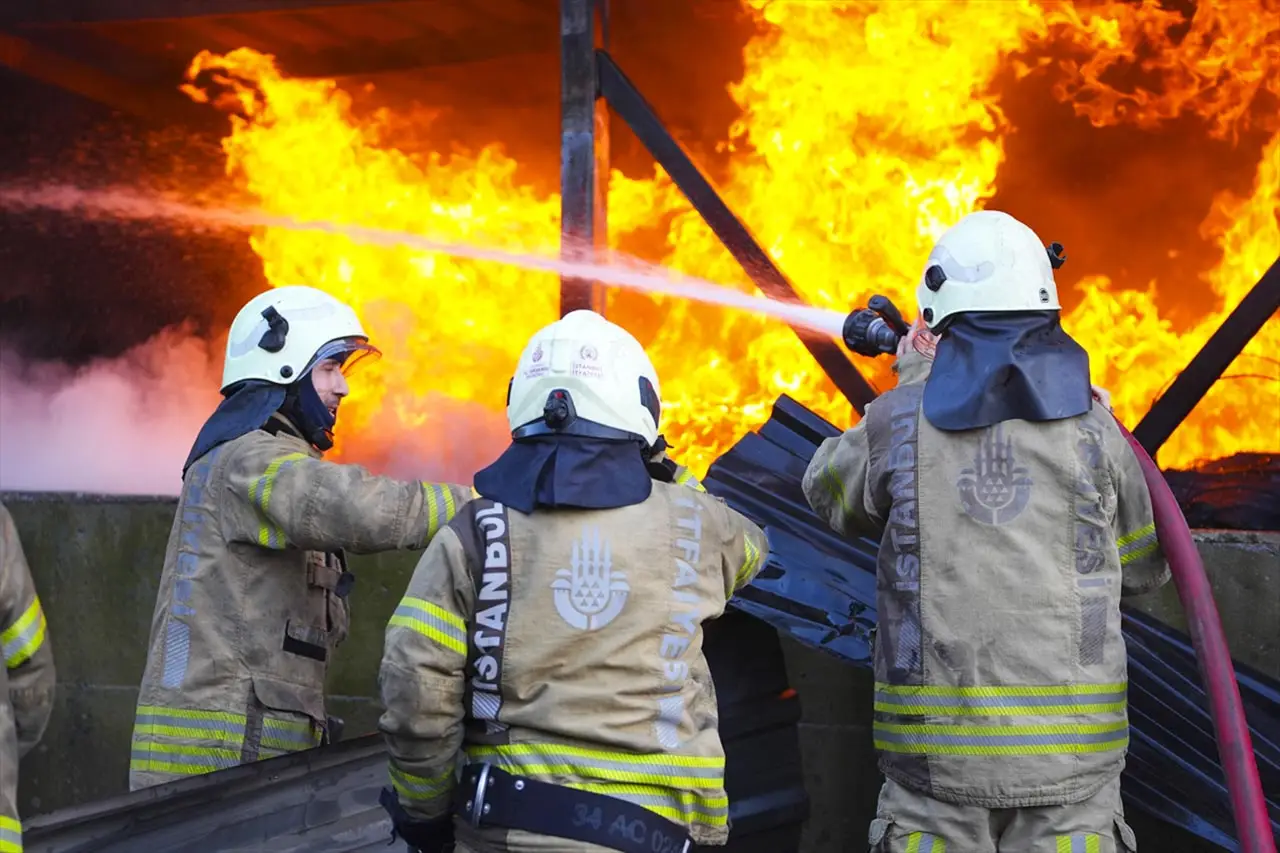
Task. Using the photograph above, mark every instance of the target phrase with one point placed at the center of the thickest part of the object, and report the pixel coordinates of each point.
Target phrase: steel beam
(104, 11)
(1195, 380)
(56, 69)
(584, 148)
(623, 96)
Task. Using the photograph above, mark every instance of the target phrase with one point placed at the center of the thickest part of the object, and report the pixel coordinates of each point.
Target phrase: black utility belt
(489, 796)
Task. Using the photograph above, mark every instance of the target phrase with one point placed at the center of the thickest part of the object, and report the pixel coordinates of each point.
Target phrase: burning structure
(852, 133)
(1143, 136)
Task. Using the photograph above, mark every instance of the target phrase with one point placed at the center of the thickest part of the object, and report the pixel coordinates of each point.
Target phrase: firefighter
(551, 634)
(1012, 517)
(253, 597)
(27, 679)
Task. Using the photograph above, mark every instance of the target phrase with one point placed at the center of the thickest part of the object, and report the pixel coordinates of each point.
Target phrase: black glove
(424, 836)
(661, 467)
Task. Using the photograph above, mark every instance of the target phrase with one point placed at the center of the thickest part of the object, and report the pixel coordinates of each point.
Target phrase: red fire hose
(1235, 747)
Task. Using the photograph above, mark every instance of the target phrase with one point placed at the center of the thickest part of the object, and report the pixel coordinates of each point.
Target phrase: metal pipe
(622, 95)
(1195, 380)
(584, 151)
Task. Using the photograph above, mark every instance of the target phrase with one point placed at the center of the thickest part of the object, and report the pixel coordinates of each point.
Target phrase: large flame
(850, 156)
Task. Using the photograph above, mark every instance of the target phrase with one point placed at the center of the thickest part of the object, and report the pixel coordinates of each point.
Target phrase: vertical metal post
(584, 148)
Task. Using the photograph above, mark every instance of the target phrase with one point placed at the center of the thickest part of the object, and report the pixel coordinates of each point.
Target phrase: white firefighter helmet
(280, 334)
(988, 261)
(583, 375)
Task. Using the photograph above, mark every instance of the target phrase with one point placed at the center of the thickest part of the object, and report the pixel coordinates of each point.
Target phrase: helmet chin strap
(303, 406)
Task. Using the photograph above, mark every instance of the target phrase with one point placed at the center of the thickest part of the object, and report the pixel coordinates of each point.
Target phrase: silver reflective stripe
(935, 700)
(420, 787)
(440, 506)
(429, 620)
(485, 705)
(287, 734)
(177, 650)
(659, 800)
(168, 758)
(552, 760)
(188, 726)
(1093, 629)
(1117, 736)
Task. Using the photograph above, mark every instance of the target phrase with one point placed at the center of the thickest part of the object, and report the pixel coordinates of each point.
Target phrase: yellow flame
(850, 156)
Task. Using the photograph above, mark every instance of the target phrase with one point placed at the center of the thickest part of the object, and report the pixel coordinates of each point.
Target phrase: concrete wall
(96, 562)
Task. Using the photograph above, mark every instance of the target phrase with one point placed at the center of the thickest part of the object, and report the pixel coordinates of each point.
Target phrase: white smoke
(124, 426)
(117, 426)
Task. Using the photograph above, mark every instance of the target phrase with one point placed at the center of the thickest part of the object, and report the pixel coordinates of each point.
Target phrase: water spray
(620, 271)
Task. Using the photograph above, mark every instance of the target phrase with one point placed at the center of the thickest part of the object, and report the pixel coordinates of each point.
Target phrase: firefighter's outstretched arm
(278, 499)
(1143, 567)
(837, 488)
(744, 546)
(422, 682)
(28, 655)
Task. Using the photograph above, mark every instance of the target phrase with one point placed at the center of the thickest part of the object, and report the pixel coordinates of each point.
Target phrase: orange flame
(850, 157)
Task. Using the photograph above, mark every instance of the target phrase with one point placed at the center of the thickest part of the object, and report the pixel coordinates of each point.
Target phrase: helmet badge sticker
(588, 363)
(590, 595)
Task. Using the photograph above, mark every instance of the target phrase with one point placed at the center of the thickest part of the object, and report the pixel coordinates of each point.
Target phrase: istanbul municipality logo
(590, 595)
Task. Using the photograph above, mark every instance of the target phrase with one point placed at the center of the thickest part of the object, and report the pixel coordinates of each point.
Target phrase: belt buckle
(476, 806)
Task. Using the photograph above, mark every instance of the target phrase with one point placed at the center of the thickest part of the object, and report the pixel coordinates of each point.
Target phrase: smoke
(118, 426)
(124, 426)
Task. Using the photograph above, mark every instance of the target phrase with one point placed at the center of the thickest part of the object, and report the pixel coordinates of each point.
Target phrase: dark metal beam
(103, 11)
(49, 66)
(357, 59)
(1195, 380)
(622, 95)
(584, 149)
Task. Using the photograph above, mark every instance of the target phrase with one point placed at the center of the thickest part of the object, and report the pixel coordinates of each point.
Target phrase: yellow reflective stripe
(920, 709)
(421, 788)
(749, 564)
(433, 622)
(429, 492)
(924, 842)
(195, 751)
(685, 478)
(998, 739)
(441, 506)
(1138, 544)
(181, 759)
(288, 735)
(1129, 538)
(1086, 843)
(680, 806)
(1047, 729)
(639, 758)
(219, 737)
(1145, 551)
(655, 769)
(24, 637)
(191, 714)
(269, 535)
(833, 484)
(10, 835)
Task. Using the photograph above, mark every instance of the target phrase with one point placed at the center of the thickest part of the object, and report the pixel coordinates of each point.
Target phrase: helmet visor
(346, 351)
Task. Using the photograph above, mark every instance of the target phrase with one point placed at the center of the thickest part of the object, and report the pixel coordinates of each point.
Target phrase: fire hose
(876, 330)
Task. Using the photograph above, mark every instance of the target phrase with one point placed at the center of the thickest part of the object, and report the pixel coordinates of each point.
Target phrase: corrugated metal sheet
(820, 588)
